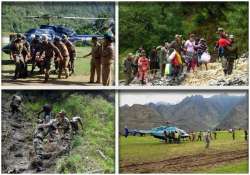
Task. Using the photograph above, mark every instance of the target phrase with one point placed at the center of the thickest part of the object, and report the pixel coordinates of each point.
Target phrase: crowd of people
(170, 60)
(42, 53)
(59, 129)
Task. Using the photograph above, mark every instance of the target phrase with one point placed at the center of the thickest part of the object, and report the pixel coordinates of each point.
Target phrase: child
(143, 66)
(128, 69)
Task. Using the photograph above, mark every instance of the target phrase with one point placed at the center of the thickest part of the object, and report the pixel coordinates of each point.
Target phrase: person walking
(207, 140)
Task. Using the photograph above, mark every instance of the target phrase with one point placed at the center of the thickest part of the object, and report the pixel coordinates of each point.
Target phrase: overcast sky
(144, 97)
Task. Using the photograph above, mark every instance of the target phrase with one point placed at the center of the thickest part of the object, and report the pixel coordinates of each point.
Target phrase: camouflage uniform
(74, 124)
(47, 113)
(40, 133)
(35, 48)
(64, 63)
(230, 54)
(49, 48)
(107, 56)
(72, 54)
(17, 49)
(95, 65)
(15, 104)
(64, 127)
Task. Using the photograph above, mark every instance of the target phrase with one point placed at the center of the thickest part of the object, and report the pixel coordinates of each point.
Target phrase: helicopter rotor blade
(84, 18)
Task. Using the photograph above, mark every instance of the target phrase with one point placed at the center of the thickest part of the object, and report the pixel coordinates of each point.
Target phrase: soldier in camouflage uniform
(35, 47)
(64, 129)
(50, 49)
(230, 54)
(75, 124)
(40, 133)
(26, 55)
(15, 105)
(64, 62)
(72, 53)
(107, 57)
(17, 50)
(46, 110)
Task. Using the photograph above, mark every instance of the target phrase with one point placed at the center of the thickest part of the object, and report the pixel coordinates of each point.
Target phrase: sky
(144, 97)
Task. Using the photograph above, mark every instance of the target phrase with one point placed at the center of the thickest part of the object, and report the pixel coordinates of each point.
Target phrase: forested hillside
(92, 148)
(14, 13)
(149, 24)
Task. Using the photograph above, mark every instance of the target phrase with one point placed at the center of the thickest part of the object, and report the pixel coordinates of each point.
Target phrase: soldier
(47, 108)
(74, 124)
(17, 49)
(64, 128)
(107, 56)
(231, 54)
(15, 105)
(72, 53)
(35, 48)
(26, 55)
(233, 134)
(64, 62)
(207, 140)
(95, 64)
(39, 135)
(163, 57)
(199, 136)
(49, 48)
(128, 68)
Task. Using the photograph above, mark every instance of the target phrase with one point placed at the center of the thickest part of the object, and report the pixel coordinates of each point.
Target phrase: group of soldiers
(59, 129)
(188, 54)
(41, 52)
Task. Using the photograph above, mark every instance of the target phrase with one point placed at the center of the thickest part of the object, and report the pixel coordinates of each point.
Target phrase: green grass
(145, 149)
(239, 167)
(82, 65)
(98, 133)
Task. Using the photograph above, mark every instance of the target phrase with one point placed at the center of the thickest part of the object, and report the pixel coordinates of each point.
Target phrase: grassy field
(148, 149)
(82, 65)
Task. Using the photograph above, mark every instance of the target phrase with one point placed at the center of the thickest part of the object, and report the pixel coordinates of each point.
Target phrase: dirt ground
(186, 164)
(37, 80)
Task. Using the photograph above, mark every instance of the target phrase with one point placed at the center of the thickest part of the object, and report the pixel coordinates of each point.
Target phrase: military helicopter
(158, 132)
(52, 31)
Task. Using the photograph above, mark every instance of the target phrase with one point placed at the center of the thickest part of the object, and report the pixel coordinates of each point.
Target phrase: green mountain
(14, 14)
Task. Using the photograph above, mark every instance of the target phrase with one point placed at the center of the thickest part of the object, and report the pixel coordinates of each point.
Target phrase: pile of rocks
(214, 76)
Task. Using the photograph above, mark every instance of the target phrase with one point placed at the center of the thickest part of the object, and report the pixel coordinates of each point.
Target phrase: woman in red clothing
(143, 67)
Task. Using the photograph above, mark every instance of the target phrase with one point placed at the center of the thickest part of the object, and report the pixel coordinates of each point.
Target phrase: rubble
(214, 76)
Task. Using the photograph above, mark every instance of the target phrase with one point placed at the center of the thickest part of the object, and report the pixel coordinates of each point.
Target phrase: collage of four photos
(124, 87)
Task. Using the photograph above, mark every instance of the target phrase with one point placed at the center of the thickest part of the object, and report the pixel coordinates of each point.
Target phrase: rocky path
(16, 143)
(186, 164)
(18, 153)
(214, 76)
